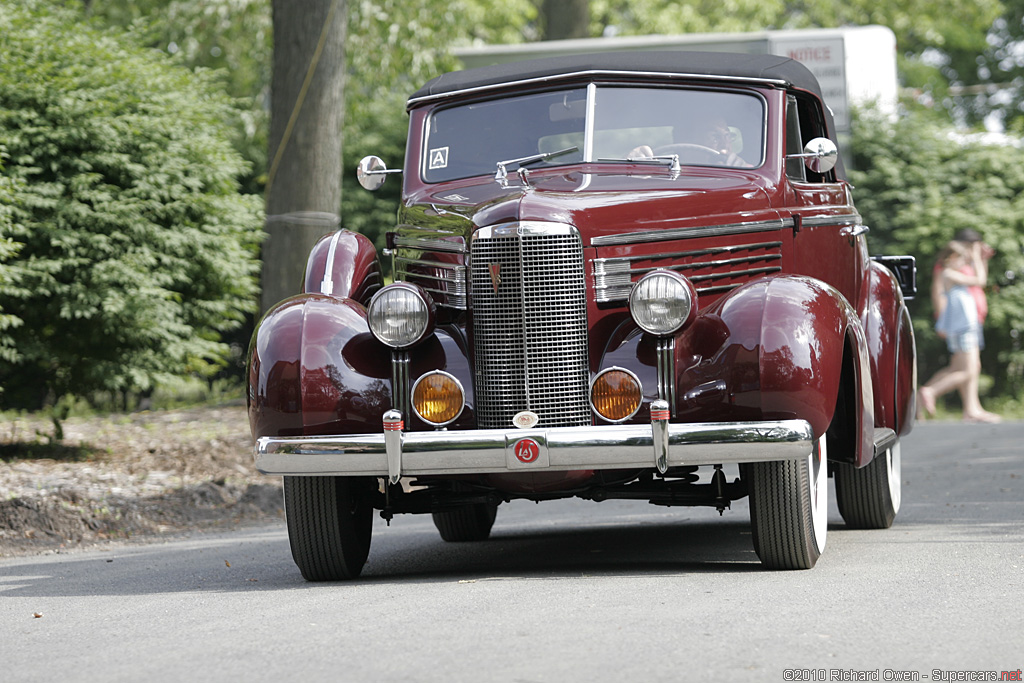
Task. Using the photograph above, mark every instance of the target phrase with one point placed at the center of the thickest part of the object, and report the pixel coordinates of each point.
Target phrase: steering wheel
(680, 147)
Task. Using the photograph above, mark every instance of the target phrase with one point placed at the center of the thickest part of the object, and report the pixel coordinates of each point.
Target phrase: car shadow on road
(603, 550)
(261, 560)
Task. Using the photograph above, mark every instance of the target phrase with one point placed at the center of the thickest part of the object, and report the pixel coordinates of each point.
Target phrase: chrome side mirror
(372, 172)
(820, 155)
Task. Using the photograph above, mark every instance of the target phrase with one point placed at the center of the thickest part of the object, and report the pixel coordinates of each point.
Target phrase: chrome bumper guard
(396, 453)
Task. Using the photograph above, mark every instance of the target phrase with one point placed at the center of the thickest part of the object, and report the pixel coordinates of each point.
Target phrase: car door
(828, 239)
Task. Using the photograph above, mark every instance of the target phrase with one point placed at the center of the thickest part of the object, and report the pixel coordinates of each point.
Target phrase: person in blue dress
(963, 268)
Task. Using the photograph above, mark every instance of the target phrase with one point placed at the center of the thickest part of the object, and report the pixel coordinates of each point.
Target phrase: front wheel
(330, 521)
(869, 497)
(789, 510)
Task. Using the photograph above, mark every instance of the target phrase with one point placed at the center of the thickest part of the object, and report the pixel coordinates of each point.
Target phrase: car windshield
(696, 127)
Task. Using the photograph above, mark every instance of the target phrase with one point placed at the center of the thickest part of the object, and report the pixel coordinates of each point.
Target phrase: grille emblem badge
(527, 450)
(495, 276)
(526, 419)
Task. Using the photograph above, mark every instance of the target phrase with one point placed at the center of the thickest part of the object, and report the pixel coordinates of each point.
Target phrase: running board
(884, 439)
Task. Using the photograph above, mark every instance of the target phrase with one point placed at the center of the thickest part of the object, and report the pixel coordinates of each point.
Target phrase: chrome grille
(529, 324)
(712, 270)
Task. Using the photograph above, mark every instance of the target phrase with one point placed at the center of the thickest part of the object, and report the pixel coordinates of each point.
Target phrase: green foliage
(232, 37)
(137, 251)
(920, 183)
(9, 271)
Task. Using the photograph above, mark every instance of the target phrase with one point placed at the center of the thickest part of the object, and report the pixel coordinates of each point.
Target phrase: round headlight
(400, 315)
(662, 302)
(437, 398)
(616, 394)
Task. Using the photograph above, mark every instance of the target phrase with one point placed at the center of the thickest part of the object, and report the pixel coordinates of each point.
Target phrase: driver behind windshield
(706, 139)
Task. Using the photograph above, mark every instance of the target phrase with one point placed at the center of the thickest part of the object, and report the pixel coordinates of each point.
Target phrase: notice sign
(826, 59)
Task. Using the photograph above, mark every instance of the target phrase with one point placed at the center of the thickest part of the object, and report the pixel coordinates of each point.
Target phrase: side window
(795, 168)
(804, 122)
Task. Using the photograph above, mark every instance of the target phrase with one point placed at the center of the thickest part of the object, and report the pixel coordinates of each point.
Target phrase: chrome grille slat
(614, 277)
(530, 336)
(446, 281)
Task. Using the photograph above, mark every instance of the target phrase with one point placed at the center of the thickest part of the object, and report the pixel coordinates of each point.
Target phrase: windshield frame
(588, 156)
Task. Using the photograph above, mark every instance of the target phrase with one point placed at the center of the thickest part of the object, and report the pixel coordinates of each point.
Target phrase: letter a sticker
(439, 158)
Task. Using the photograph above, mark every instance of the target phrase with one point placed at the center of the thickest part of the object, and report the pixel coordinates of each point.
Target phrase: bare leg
(973, 411)
(945, 380)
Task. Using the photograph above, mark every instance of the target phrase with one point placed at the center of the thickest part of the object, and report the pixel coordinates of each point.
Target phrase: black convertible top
(730, 66)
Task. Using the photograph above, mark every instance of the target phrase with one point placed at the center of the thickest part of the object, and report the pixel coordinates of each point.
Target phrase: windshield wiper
(502, 173)
(671, 160)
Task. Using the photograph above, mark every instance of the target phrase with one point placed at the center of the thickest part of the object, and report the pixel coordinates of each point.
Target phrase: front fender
(772, 349)
(314, 369)
(343, 264)
(892, 350)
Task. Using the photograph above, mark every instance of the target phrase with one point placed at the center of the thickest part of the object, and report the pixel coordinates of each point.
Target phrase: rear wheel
(789, 510)
(869, 497)
(330, 521)
(471, 522)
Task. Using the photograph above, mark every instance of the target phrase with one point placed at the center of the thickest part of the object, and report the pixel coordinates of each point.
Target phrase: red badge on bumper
(527, 450)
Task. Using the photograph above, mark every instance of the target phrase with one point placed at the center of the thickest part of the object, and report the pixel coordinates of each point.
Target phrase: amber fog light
(438, 398)
(615, 394)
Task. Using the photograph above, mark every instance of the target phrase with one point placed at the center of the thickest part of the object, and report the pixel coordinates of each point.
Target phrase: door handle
(854, 231)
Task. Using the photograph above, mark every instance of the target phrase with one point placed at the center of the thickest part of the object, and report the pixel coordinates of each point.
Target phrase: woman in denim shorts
(963, 266)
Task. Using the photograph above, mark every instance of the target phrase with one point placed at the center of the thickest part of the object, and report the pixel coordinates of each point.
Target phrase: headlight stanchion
(662, 303)
(400, 382)
(666, 360)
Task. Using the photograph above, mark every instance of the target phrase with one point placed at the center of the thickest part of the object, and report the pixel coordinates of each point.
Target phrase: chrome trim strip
(327, 284)
(685, 233)
(826, 221)
(602, 73)
(588, 130)
(433, 264)
(725, 229)
(569, 448)
(734, 273)
(710, 264)
(696, 252)
(456, 246)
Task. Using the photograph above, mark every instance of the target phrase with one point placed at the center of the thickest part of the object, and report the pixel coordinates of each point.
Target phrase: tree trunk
(563, 19)
(306, 116)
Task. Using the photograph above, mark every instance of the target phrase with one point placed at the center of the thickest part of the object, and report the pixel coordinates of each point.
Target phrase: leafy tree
(138, 251)
(8, 272)
(920, 183)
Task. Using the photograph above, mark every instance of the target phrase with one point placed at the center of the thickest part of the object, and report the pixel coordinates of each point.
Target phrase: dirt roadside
(129, 478)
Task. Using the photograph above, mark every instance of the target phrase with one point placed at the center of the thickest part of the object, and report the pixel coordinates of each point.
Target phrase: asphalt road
(567, 591)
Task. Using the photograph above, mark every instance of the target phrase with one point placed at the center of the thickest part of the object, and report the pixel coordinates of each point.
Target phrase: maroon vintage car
(616, 276)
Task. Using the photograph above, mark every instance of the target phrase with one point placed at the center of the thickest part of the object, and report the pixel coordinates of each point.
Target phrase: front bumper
(660, 445)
